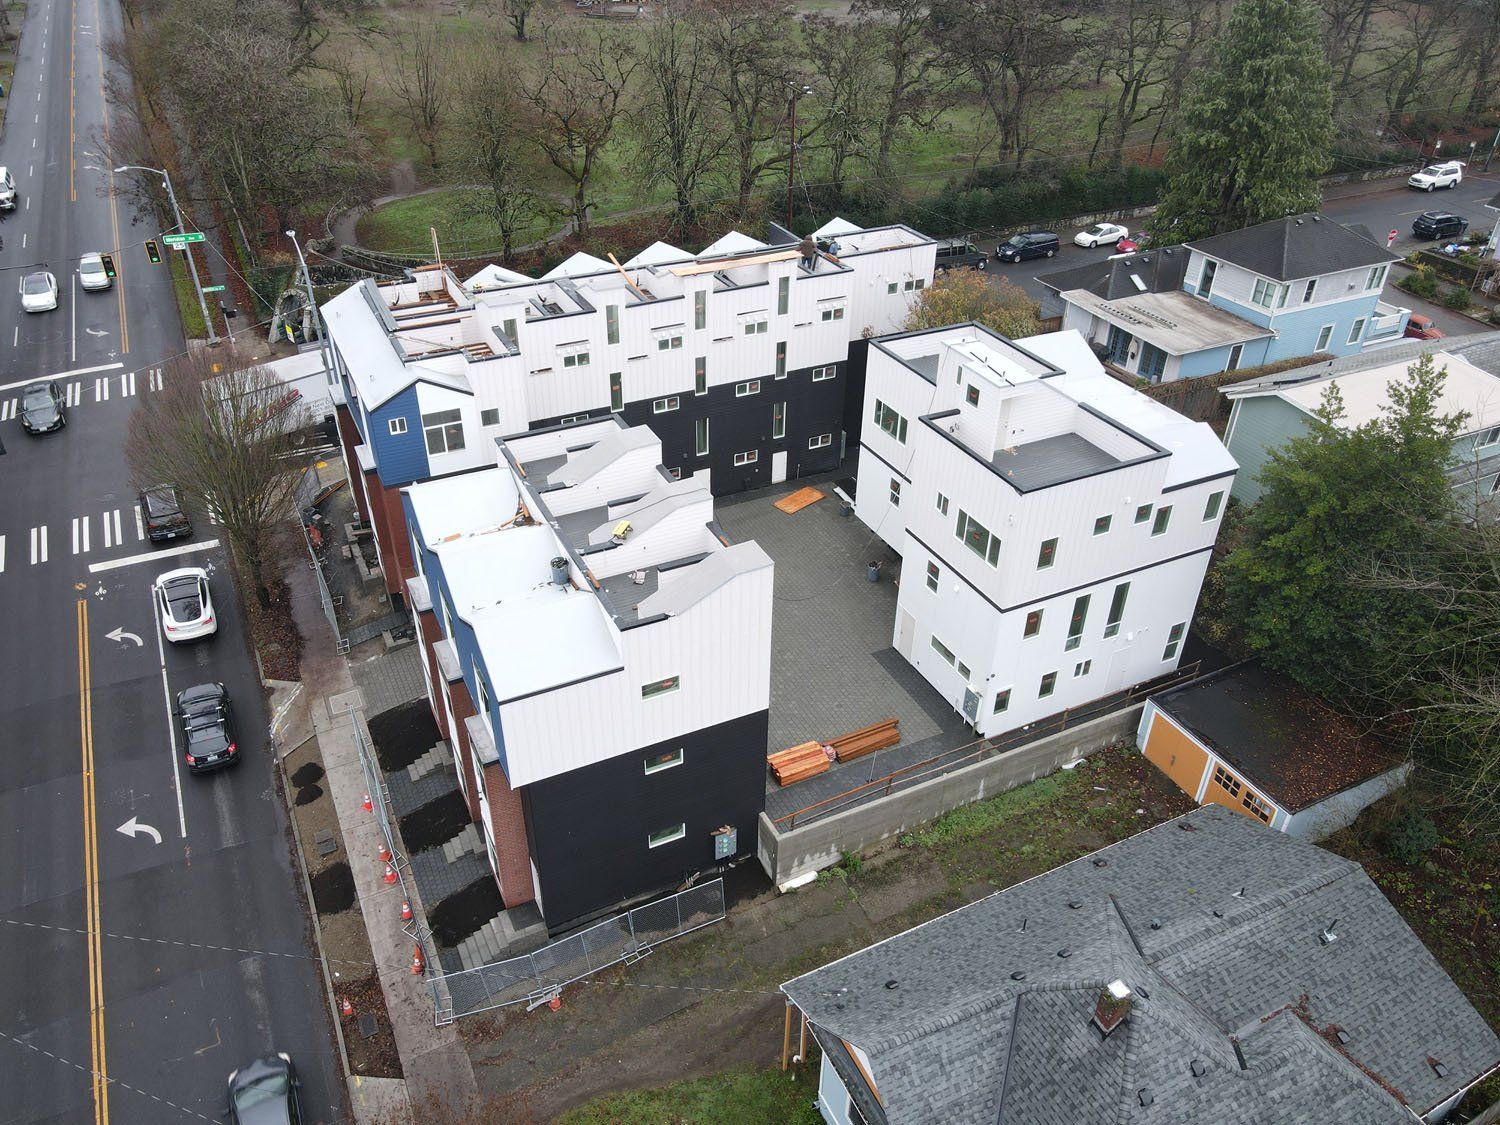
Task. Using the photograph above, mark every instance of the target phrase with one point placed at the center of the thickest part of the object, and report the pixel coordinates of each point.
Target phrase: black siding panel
(854, 393)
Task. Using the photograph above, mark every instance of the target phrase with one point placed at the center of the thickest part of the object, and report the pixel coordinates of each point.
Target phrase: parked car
(42, 409)
(1101, 234)
(1133, 242)
(264, 1092)
(1434, 176)
(91, 273)
(208, 743)
(1419, 327)
(8, 195)
(185, 605)
(1028, 244)
(959, 254)
(39, 292)
(1439, 224)
(162, 514)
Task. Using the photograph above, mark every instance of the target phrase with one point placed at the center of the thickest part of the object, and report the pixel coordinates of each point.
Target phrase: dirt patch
(373, 1055)
(403, 734)
(307, 773)
(333, 889)
(274, 634)
(307, 794)
(435, 823)
(463, 912)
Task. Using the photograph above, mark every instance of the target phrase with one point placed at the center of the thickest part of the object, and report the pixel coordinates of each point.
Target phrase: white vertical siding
(475, 452)
(681, 534)
(634, 473)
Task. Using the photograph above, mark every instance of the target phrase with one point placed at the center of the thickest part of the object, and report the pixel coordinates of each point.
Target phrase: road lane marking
(61, 374)
(166, 695)
(73, 394)
(7, 410)
(140, 524)
(127, 384)
(151, 556)
(111, 522)
(97, 1053)
(153, 383)
(101, 389)
(2, 554)
(81, 533)
(38, 545)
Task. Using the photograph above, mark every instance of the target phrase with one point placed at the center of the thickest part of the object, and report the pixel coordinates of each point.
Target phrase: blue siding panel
(402, 457)
(1257, 426)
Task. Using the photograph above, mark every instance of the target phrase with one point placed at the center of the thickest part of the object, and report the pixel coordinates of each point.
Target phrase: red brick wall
(509, 825)
(349, 442)
(431, 634)
(395, 546)
(462, 708)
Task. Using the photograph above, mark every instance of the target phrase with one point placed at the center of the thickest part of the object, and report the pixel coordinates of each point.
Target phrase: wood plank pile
(799, 763)
(867, 740)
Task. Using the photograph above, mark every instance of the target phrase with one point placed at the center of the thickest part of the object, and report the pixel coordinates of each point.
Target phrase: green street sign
(182, 239)
(213, 289)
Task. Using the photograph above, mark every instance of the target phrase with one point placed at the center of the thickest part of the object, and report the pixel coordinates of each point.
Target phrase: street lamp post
(166, 181)
(312, 304)
(791, 167)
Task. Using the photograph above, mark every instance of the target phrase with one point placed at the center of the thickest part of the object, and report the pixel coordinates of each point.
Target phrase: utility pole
(1493, 146)
(317, 316)
(791, 165)
(166, 182)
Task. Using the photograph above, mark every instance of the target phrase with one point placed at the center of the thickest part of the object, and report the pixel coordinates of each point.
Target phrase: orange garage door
(1175, 754)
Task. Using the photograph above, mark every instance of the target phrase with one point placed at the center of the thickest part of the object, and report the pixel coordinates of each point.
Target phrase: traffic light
(153, 251)
(109, 264)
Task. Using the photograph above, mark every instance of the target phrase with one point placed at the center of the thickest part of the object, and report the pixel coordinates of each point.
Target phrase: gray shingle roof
(1213, 922)
(1159, 271)
(1295, 247)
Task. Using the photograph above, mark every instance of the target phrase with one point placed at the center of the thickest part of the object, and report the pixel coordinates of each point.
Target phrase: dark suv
(1439, 224)
(42, 409)
(203, 712)
(162, 511)
(959, 254)
(1028, 244)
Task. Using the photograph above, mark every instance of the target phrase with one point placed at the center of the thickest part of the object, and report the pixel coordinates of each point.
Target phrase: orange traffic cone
(346, 1009)
(385, 853)
(406, 912)
(366, 805)
(390, 874)
(418, 964)
(555, 1003)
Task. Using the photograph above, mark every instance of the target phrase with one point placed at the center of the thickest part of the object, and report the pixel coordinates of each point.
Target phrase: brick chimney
(1112, 1006)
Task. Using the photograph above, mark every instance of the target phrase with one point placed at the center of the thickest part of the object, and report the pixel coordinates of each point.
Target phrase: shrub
(1410, 836)
(1457, 299)
(1420, 282)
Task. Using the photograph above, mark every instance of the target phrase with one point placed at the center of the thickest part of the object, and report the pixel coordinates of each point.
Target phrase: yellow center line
(109, 171)
(99, 1064)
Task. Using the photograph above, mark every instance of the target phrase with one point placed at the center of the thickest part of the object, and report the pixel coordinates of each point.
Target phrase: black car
(264, 1092)
(208, 741)
(42, 409)
(1439, 224)
(161, 510)
(1028, 244)
(959, 254)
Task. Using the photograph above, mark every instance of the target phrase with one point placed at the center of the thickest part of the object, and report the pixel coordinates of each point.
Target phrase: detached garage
(1255, 742)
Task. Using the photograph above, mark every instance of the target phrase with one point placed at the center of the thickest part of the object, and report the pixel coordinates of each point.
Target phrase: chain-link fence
(310, 490)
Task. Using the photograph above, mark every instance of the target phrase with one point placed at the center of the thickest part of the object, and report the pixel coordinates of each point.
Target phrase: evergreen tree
(1257, 128)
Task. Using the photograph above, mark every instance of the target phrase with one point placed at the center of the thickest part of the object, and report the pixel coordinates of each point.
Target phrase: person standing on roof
(809, 250)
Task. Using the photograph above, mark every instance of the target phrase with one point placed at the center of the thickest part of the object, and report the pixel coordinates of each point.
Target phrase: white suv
(1434, 176)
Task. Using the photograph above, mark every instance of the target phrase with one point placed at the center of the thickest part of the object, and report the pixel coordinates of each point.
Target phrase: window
(821, 441)
(781, 359)
(944, 651)
(977, 538)
(750, 387)
(576, 359)
(700, 375)
(482, 690)
(933, 575)
(676, 472)
(1206, 278)
(489, 417)
(612, 323)
(445, 431)
(1163, 517)
(1033, 624)
(891, 287)
(658, 762)
(1357, 331)
(663, 405)
(1257, 806)
(1049, 684)
(669, 343)
(1143, 513)
(1268, 294)
(1211, 509)
(1101, 525)
(823, 374)
(700, 436)
(1047, 555)
(1324, 335)
(569, 419)
(889, 421)
(1082, 668)
(756, 327)
(396, 426)
(700, 309)
(1226, 781)
(971, 395)
(660, 687)
(616, 393)
(963, 669)
(666, 835)
(1002, 701)
(778, 421)
(1174, 640)
(895, 493)
(1376, 278)
(783, 295)
(1236, 353)
(1488, 437)
(1307, 294)
(749, 457)
(510, 332)
(1075, 623)
(942, 503)
(1116, 609)
(836, 312)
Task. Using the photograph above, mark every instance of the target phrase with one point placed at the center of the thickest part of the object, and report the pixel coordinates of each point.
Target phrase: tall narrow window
(1307, 294)
(783, 295)
(1163, 517)
(895, 493)
(1116, 609)
(1033, 623)
(1357, 331)
(1047, 555)
(933, 574)
(612, 323)
(781, 359)
(1174, 640)
(700, 309)
(942, 503)
(1075, 623)
(616, 393)
(700, 375)
(510, 330)
(1002, 700)
(778, 421)
(1211, 509)
(700, 436)
(1049, 682)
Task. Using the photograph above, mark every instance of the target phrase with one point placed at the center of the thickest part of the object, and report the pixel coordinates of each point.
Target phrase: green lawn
(187, 299)
(756, 1098)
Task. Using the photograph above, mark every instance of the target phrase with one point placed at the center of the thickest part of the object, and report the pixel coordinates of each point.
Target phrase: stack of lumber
(795, 501)
(800, 762)
(866, 740)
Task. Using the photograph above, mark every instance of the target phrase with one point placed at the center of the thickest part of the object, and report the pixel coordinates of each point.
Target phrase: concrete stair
(439, 757)
(469, 841)
(509, 934)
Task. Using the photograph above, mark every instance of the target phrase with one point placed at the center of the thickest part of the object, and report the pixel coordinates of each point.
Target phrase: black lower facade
(590, 830)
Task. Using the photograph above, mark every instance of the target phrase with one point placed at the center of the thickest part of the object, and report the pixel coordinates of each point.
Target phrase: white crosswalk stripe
(154, 382)
(8, 410)
(2, 554)
(111, 521)
(140, 524)
(80, 534)
(73, 394)
(127, 384)
(38, 545)
(101, 389)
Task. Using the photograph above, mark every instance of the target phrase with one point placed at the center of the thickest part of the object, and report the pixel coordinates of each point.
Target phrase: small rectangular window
(1376, 278)
(396, 426)
(489, 417)
(977, 538)
(778, 421)
(1082, 668)
(943, 650)
(933, 574)
(890, 287)
(749, 457)
(664, 405)
(700, 375)
(1047, 555)
(750, 387)
(820, 441)
(1116, 609)
(576, 359)
(1211, 509)
(700, 309)
(658, 762)
(756, 327)
(1163, 517)
(616, 393)
(1002, 701)
(1174, 640)
(889, 421)
(700, 437)
(668, 343)
(660, 687)
(444, 430)
(1226, 781)
(823, 374)
(612, 323)
(971, 395)
(942, 503)
(783, 295)
(895, 493)
(1488, 437)
(1101, 525)
(781, 359)
(1033, 624)
(919, 283)
(1049, 683)
(1143, 513)
(666, 835)
(835, 313)
(676, 472)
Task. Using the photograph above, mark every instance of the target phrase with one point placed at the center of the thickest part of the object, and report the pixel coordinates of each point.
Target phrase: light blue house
(1300, 286)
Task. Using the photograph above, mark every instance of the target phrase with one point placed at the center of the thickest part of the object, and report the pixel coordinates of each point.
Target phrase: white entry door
(778, 467)
(906, 627)
(1119, 669)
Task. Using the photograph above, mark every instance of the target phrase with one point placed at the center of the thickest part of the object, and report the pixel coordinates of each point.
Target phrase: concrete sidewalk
(433, 1059)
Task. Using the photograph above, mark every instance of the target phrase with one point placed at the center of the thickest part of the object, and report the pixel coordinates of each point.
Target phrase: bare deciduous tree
(517, 12)
(493, 146)
(913, 86)
(844, 109)
(1421, 47)
(419, 77)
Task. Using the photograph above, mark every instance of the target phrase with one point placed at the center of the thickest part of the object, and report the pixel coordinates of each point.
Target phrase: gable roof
(1213, 922)
(1123, 275)
(363, 331)
(1297, 246)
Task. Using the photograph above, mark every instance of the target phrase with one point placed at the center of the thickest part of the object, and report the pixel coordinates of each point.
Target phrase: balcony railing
(1388, 320)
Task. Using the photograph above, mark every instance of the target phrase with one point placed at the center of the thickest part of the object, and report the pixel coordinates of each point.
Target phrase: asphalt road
(159, 966)
(1380, 205)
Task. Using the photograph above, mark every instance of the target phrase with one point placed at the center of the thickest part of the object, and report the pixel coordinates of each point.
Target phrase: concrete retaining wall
(786, 855)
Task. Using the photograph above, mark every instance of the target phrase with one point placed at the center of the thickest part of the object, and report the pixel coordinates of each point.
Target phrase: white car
(91, 273)
(39, 292)
(1100, 234)
(1434, 176)
(185, 605)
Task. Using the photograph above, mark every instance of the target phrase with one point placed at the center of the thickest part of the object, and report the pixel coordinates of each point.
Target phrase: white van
(7, 191)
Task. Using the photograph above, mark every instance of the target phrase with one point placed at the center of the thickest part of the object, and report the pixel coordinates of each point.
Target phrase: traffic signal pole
(213, 337)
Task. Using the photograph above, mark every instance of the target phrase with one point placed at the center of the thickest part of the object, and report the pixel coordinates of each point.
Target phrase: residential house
(1053, 524)
(1291, 287)
(1263, 746)
(734, 357)
(1203, 970)
(1492, 247)
(597, 655)
(1266, 413)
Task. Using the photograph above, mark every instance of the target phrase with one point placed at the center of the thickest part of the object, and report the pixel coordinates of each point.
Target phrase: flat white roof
(461, 505)
(1467, 389)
